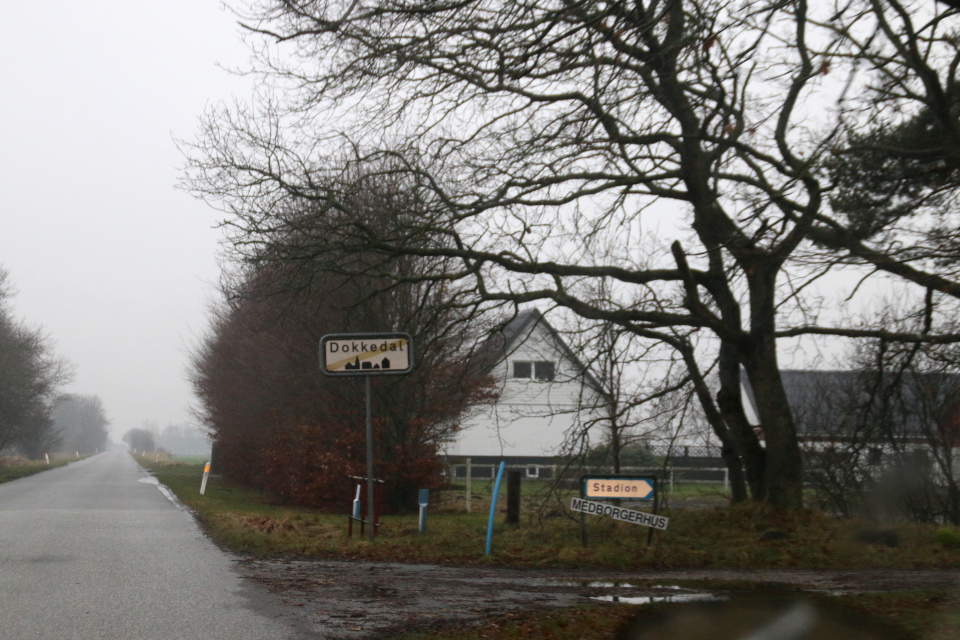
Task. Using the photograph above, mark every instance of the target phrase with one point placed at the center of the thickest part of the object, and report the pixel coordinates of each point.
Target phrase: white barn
(545, 392)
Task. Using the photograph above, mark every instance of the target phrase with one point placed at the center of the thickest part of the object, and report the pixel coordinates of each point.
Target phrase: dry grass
(722, 537)
(14, 467)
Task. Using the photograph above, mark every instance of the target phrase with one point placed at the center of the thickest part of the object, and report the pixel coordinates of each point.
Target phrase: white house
(545, 393)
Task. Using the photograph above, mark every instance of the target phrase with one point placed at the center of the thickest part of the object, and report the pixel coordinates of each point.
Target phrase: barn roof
(834, 404)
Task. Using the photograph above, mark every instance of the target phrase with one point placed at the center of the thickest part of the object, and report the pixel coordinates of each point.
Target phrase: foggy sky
(114, 262)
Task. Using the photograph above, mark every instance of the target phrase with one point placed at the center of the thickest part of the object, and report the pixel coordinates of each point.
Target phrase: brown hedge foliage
(279, 424)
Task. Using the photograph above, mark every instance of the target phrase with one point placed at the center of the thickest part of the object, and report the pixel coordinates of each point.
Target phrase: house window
(539, 370)
(523, 370)
(533, 472)
(543, 370)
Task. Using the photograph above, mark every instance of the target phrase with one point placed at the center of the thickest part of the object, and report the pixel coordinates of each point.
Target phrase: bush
(949, 538)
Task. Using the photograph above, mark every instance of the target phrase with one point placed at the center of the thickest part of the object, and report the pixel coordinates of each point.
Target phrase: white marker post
(424, 500)
(47, 456)
(356, 505)
(206, 474)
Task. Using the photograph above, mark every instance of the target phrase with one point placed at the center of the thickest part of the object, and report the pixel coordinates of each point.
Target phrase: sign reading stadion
(619, 513)
(362, 354)
(618, 487)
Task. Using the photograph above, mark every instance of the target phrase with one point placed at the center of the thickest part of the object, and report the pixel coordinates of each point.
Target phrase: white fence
(668, 475)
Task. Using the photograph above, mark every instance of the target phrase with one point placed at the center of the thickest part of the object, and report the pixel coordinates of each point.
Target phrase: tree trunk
(728, 447)
(738, 481)
(745, 439)
(615, 446)
(783, 469)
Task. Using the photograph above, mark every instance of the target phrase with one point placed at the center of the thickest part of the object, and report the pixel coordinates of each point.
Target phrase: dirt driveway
(333, 599)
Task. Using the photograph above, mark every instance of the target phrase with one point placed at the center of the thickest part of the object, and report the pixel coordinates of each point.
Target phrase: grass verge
(724, 537)
(13, 468)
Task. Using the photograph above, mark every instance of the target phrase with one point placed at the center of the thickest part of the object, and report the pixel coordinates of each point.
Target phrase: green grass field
(717, 537)
(548, 535)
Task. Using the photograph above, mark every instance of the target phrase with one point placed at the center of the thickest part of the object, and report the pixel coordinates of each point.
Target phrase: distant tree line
(140, 440)
(177, 439)
(182, 439)
(80, 422)
(30, 377)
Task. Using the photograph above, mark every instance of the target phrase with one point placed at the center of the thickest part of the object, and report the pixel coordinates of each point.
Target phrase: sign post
(366, 354)
(616, 488)
(424, 501)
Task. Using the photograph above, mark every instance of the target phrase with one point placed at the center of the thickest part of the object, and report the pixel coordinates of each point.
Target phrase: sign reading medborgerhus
(361, 354)
(632, 516)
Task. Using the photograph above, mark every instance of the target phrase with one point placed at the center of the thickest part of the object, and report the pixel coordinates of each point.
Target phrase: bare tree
(139, 439)
(895, 169)
(527, 131)
(30, 376)
(81, 422)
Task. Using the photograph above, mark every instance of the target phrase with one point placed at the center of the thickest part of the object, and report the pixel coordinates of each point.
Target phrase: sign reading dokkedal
(361, 354)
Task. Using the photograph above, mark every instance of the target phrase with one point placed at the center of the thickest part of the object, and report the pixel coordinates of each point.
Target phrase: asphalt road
(95, 550)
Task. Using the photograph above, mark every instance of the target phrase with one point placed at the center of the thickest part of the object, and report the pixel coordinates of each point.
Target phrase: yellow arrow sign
(636, 489)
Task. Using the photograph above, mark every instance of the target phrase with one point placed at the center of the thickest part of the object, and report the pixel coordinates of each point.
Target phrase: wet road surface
(97, 550)
(94, 550)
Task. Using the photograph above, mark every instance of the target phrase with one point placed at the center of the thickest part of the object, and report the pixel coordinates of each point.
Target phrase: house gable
(543, 389)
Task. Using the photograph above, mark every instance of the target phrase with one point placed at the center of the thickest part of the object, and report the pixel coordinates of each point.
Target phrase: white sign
(619, 513)
(366, 353)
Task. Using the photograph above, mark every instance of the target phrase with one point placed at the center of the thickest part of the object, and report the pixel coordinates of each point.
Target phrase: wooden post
(469, 476)
(583, 530)
(656, 503)
(370, 498)
(513, 497)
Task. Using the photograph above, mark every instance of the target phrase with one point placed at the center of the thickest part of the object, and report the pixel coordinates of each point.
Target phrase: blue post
(493, 506)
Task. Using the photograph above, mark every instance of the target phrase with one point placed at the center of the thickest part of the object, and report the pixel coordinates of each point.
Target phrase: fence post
(726, 479)
(513, 497)
(469, 475)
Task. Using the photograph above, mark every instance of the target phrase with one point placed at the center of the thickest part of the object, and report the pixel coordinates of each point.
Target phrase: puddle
(680, 597)
(166, 492)
(606, 584)
(599, 583)
(687, 596)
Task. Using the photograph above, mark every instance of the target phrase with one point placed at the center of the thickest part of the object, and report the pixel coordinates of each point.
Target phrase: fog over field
(105, 253)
